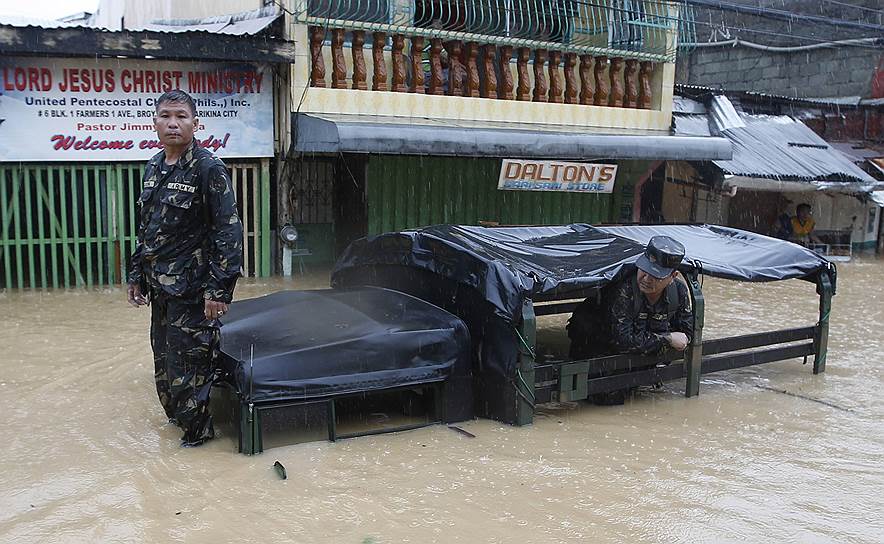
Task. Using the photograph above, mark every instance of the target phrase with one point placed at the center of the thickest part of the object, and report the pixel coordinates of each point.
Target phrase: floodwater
(87, 456)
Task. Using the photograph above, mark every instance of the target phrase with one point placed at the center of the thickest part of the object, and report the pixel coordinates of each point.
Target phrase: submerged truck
(441, 322)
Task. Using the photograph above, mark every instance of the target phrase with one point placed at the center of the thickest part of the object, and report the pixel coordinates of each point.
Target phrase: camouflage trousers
(184, 346)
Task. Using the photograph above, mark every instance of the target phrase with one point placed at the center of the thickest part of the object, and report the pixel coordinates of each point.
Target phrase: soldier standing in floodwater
(186, 263)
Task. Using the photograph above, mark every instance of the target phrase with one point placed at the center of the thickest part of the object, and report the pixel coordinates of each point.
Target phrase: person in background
(803, 225)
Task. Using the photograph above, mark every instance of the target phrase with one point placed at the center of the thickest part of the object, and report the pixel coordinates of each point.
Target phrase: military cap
(661, 257)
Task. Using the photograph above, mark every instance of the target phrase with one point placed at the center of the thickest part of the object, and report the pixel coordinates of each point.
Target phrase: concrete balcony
(445, 74)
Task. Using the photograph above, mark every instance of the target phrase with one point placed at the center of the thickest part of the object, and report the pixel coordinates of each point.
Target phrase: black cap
(661, 257)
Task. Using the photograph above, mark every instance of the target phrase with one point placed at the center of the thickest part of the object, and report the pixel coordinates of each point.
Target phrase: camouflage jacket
(638, 326)
(190, 238)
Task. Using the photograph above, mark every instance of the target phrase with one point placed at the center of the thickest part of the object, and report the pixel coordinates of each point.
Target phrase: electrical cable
(845, 4)
(857, 42)
(711, 25)
(771, 13)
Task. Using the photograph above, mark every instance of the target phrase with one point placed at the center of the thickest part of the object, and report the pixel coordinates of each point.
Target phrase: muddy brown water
(87, 456)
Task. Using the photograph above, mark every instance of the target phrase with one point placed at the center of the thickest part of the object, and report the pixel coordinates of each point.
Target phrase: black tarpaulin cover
(507, 265)
(732, 253)
(297, 345)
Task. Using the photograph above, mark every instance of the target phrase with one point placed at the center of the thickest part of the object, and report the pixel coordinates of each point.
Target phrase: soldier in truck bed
(645, 313)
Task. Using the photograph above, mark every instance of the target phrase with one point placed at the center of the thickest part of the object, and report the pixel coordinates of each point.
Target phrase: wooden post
(379, 81)
(455, 69)
(523, 92)
(505, 91)
(489, 84)
(570, 78)
(555, 77)
(615, 72)
(601, 82)
(417, 66)
(540, 87)
(359, 71)
(587, 89)
(693, 355)
(317, 71)
(339, 67)
(399, 64)
(524, 379)
(644, 80)
(473, 69)
(821, 337)
(437, 83)
(630, 80)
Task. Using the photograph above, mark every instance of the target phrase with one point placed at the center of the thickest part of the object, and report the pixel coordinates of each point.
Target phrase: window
(368, 11)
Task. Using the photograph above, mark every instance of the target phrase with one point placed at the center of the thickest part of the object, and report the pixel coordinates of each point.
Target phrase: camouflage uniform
(189, 249)
(623, 321)
(638, 326)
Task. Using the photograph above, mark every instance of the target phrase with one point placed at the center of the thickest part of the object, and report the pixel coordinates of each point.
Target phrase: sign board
(573, 177)
(102, 109)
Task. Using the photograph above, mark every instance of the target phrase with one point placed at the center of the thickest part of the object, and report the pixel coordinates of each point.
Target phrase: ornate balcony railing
(639, 29)
(592, 52)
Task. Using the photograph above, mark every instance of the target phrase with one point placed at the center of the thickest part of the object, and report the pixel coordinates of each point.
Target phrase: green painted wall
(406, 192)
(319, 238)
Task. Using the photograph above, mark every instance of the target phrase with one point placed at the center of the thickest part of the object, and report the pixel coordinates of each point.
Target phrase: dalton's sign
(574, 177)
(102, 109)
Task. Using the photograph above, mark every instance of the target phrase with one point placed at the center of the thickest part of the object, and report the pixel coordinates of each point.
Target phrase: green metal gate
(66, 225)
(407, 192)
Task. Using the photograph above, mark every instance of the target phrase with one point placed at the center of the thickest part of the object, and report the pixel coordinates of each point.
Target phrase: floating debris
(468, 434)
(280, 470)
(784, 392)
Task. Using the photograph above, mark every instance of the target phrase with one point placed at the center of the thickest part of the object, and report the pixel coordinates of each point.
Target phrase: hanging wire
(848, 5)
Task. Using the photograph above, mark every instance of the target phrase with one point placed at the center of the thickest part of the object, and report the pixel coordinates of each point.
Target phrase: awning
(770, 147)
(785, 186)
(364, 134)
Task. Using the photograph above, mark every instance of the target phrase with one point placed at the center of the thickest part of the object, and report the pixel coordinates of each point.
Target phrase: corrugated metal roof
(772, 146)
(842, 101)
(683, 104)
(23, 22)
(691, 125)
(239, 24)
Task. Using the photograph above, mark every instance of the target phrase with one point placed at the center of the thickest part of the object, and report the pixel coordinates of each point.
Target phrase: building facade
(794, 48)
(404, 112)
(77, 129)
